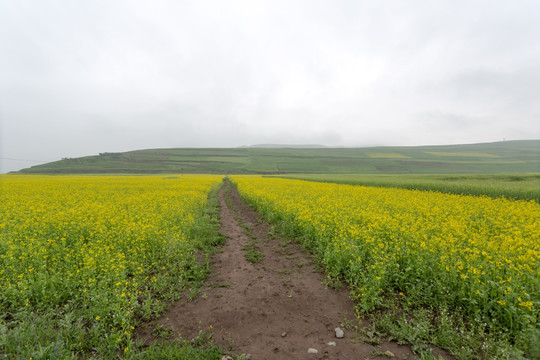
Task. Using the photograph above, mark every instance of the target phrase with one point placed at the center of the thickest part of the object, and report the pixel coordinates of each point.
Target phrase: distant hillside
(286, 146)
(498, 157)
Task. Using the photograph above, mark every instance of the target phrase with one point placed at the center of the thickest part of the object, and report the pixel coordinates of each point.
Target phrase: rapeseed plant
(84, 258)
(477, 256)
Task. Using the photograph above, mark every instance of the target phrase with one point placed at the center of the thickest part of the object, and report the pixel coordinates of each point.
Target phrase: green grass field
(514, 186)
(488, 158)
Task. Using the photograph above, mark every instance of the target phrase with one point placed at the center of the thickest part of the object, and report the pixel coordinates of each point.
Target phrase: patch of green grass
(162, 332)
(202, 348)
(253, 254)
(252, 249)
(422, 327)
(285, 242)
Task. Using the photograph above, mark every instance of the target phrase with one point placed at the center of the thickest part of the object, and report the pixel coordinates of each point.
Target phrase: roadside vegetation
(456, 271)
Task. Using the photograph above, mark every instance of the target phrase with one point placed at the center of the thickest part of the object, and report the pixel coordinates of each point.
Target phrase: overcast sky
(82, 77)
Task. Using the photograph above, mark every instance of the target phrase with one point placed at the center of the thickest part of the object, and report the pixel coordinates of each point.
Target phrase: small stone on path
(339, 333)
(331, 343)
(389, 353)
(312, 351)
(283, 334)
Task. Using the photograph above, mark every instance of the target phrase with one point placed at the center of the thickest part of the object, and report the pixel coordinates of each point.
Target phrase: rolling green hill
(499, 157)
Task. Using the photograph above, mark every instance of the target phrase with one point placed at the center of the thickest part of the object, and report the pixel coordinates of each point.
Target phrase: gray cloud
(79, 78)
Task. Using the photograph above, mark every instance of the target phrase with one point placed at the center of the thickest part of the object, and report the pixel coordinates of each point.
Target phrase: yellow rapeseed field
(474, 255)
(82, 256)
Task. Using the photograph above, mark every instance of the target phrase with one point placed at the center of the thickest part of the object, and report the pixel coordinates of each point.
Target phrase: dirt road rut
(277, 308)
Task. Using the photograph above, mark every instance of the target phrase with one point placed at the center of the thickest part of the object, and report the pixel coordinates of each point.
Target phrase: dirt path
(274, 309)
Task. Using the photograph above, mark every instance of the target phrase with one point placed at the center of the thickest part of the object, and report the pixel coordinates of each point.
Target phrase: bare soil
(275, 309)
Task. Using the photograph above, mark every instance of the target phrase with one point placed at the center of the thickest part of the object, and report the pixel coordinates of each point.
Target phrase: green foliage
(465, 338)
(253, 255)
(252, 249)
(180, 350)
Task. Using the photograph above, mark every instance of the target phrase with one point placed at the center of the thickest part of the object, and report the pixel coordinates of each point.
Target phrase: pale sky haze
(82, 77)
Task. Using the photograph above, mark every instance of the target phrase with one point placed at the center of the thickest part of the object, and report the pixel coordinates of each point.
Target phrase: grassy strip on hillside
(514, 186)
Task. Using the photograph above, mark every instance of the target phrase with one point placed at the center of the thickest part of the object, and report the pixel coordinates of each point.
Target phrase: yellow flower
(468, 246)
(526, 304)
(91, 235)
